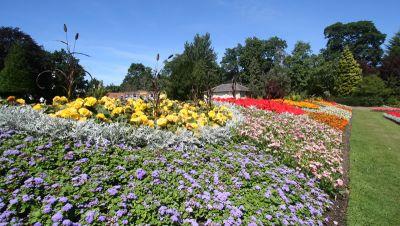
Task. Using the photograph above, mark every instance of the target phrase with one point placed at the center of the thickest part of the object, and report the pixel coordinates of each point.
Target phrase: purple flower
(67, 222)
(102, 218)
(155, 174)
(13, 201)
(47, 209)
(131, 196)
(125, 222)
(57, 217)
(26, 198)
(63, 199)
(66, 207)
(140, 174)
(174, 218)
(113, 191)
(90, 216)
(268, 217)
(37, 224)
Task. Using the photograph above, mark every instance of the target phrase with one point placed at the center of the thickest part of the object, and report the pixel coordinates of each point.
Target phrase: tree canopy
(139, 77)
(362, 37)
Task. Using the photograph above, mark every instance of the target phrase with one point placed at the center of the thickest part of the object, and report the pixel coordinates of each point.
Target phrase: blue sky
(118, 33)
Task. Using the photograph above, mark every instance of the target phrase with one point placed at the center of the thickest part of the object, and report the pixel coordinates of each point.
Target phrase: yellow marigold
(63, 99)
(101, 116)
(70, 113)
(82, 119)
(211, 114)
(20, 101)
(11, 98)
(143, 119)
(192, 126)
(136, 120)
(37, 107)
(172, 118)
(85, 112)
(162, 122)
(163, 96)
(109, 105)
(150, 123)
(90, 101)
(117, 111)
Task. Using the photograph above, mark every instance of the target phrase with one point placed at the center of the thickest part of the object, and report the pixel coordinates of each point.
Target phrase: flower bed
(393, 115)
(263, 104)
(267, 163)
(298, 141)
(49, 181)
(169, 115)
(385, 109)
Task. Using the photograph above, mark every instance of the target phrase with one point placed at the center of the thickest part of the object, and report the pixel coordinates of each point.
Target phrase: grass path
(374, 170)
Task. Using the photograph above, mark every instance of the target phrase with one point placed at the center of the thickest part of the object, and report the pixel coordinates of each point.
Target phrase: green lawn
(374, 170)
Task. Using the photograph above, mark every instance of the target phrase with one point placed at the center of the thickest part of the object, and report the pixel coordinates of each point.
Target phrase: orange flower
(331, 120)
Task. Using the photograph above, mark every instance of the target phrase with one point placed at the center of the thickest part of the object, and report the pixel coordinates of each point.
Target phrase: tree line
(354, 65)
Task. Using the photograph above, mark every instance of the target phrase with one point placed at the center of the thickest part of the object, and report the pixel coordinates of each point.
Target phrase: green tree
(138, 78)
(194, 71)
(299, 65)
(10, 36)
(230, 64)
(348, 74)
(322, 76)
(362, 37)
(256, 58)
(16, 77)
(390, 70)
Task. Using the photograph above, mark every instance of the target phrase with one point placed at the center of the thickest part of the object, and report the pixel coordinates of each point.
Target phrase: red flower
(269, 105)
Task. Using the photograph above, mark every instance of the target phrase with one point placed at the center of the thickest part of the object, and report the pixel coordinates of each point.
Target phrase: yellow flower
(117, 111)
(37, 107)
(20, 101)
(150, 123)
(85, 112)
(90, 101)
(101, 116)
(57, 100)
(211, 114)
(162, 122)
(82, 119)
(71, 113)
(143, 118)
(63, 99)
(192, 126)
(172, 118)
(109, 105)
(11, 98)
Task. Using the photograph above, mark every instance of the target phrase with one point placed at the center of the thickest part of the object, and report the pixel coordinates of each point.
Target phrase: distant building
(132, 94)
(226, 91)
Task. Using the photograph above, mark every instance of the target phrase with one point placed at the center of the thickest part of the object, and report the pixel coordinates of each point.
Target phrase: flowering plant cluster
(393, 115)
(269, 105)
(170, 115)
(51, 181)
(300, 104)
(253, 162)
(331, 120)
(385, 109)
(300, 142)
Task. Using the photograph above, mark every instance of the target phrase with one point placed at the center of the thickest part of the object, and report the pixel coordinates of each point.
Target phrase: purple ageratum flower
(67, 222)
(131, 196)
(140, 174)
(37, 224)
(69, 155)
(90, 216)
(66, 207)
(268, 217)
(125, 222)
(102, 218)
(113, 191)
(13, 201)
(38, 180)
(175, 218)
(26, 198)
(121, 213)
(155, 174)
(11, 152)
(47, 209)
(57, 217)
(29, 139)
(63, 199)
